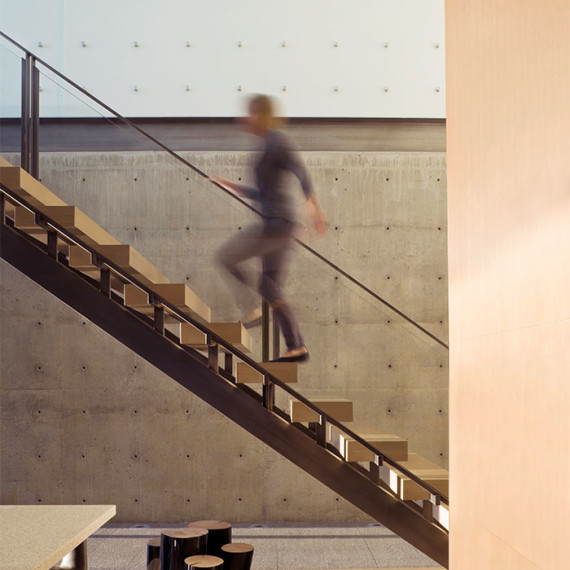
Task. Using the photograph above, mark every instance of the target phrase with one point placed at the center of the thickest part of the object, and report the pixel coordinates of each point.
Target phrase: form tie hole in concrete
(135, 367)
(388, 321)
(336, 227)
(387, 227)
(336, 179)
(187, 456)
(187, 500)
(239, 500)
(39, 411)
(336, 277)
(336, 321)
(135, 228)
(187, 411)
(241, 454)
(336, 365)
(387, 277)
(39, 323)
(83, 180)
(135, 456)
(84, 501)
(187, 228)
(84, 367)
(39, 456)
(39, 500)
(83, 456)
(135, 179)
(40, 367)
(389, 410)
(136, 500)
(83, 412)
(441, 365)
(439, 228)
(337, 499)
(389, 366)
(284, 500)
(136, 411)
(387, 180)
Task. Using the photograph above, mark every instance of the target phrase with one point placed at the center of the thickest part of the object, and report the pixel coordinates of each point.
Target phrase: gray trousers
(272, 241)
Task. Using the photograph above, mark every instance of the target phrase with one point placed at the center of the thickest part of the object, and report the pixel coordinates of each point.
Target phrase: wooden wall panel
(508, 72)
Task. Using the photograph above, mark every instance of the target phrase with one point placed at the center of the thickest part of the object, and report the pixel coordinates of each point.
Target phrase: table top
(35, 537)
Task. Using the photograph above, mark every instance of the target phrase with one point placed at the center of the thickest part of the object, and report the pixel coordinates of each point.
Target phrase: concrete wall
(509, 220)
(324, 58)
(83, 419)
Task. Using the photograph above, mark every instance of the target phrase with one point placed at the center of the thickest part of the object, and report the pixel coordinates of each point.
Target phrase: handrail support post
(264, 331)
(52, 243)
(25, 115)
(159, 319)
(268, 393)
(213, 362)
(35, 120)
(321, 431)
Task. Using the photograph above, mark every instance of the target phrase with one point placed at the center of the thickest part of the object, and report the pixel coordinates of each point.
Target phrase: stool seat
(219, 533)
(237, 556)
(210, 562)
(180, 543)
(152, 551)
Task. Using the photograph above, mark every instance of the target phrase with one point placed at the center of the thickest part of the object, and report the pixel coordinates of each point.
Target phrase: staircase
(113, 285)
(110, 283)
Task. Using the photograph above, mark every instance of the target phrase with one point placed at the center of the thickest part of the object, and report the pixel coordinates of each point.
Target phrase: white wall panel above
(323, 58)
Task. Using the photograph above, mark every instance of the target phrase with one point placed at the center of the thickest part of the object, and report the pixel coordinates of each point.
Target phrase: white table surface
(35, 537)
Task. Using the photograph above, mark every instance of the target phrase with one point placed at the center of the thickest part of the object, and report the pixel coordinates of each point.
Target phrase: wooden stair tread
(234, 333)
(284, 371)
(392, 445)
(426, 470)
(134, 263)
(338, 408)
(80, 225)
(178, 294)
(27, 187)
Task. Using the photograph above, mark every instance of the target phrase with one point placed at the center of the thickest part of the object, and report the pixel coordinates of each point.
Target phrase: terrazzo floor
(290, 546)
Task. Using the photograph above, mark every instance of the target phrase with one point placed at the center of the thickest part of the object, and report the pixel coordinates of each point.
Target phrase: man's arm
(240, 189)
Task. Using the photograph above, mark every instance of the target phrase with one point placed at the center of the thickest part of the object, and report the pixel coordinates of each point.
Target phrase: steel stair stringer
(224, 396)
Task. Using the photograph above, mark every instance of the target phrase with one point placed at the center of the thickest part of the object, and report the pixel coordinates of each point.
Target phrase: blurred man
(272, 238)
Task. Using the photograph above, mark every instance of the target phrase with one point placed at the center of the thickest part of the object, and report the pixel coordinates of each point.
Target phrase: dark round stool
(237, 556)
(219, 533)
(152, 550)
(199, 562)
(180, 543)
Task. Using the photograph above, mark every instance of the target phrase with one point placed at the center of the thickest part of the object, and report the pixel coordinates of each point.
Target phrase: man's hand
(318, 216)
(225, 183)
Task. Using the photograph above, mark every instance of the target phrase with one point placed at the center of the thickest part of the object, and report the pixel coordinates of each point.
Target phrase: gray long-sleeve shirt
(278, 158)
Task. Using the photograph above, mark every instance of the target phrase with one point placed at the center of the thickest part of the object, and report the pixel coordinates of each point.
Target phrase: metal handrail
(216, 339)
(201, 173)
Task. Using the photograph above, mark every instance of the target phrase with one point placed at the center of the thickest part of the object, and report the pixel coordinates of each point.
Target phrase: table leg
(75, 560)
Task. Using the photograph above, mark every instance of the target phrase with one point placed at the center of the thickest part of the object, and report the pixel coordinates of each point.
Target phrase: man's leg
(273, 277)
